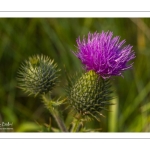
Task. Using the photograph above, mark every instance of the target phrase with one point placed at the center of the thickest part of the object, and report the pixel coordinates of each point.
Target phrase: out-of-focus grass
(21, 38)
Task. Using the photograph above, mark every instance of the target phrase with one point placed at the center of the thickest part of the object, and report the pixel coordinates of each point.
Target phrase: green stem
(54, 113)
(77, 123)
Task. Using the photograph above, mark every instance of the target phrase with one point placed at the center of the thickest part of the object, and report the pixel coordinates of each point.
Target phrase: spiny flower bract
(104, 54)
(38, 75)
(89, 94)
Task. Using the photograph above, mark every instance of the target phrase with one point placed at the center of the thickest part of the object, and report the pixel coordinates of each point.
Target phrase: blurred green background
(56, 37)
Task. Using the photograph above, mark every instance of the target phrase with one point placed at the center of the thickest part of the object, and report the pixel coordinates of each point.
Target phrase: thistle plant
(102, 55)
(38, 76)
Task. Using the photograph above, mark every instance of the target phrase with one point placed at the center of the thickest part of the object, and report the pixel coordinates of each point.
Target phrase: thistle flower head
(89, 94)
(38, 75)
(104, 54)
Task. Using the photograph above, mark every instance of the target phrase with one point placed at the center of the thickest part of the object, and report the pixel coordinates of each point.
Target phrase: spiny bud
(38, 75)
(89, 94)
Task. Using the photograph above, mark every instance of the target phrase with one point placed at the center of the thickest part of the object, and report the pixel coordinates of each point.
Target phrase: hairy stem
(54, 112)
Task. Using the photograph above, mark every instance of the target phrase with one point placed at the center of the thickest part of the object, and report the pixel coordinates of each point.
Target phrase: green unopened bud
(89, 94)
(38, 75)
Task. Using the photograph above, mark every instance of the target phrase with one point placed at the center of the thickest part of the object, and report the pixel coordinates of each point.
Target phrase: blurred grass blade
(28, 127)
(131, 108)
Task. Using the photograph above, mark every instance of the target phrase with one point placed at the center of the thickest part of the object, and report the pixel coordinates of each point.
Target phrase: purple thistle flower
(104, 54)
